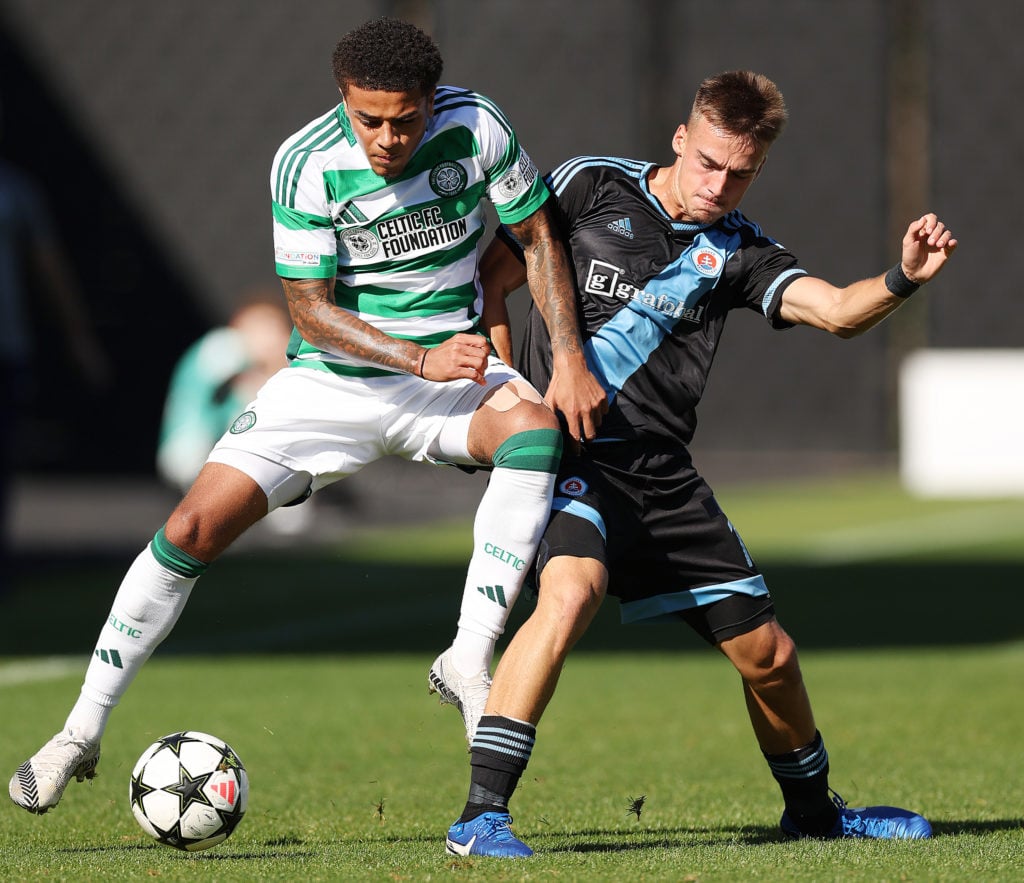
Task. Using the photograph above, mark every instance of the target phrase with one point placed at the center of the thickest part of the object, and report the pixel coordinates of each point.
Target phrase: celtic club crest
(448, 179)
(243, 423)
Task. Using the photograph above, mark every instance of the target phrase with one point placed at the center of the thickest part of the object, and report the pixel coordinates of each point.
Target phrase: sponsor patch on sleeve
(518, 179)
(292, 258)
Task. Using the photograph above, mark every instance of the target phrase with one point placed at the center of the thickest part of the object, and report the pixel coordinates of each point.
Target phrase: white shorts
(307, 429)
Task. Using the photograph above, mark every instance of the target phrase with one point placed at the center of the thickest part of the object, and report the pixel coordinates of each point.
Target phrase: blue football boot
(487, 834)
(874, 822)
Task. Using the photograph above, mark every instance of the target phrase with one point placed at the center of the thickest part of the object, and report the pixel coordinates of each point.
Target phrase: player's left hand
(927, 246)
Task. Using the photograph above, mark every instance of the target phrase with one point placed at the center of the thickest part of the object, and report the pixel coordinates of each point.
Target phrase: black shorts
(670, 551)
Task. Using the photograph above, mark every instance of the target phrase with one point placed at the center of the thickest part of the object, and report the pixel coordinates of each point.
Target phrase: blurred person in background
(42, 310)
(213, 382)
(662, 255)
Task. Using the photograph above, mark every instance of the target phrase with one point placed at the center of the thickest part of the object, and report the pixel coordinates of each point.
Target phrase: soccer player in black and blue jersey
(662, 255)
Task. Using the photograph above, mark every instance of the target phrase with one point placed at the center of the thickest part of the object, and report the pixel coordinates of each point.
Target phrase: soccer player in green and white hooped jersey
(404, 248)
(376, 223)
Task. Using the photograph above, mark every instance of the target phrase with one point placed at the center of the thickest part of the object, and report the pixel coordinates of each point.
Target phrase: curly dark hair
(387, 55)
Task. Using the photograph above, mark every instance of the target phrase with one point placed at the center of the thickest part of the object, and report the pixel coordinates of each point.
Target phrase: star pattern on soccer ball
(139, 789)
(189, 789)
(176, 740)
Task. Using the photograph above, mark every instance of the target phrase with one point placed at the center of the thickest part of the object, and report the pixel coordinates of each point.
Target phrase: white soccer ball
(189, 790)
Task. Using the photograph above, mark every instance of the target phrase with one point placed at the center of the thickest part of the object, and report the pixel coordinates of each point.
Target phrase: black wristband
(423, 361)
(898, 284)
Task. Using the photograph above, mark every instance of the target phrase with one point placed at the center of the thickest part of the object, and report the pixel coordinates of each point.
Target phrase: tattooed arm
(573, 392)
(330, 328)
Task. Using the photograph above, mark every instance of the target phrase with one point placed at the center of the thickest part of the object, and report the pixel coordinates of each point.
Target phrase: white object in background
(962, 423)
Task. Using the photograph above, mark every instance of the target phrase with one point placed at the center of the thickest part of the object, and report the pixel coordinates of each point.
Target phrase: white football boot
(40, 781)
(468, 695)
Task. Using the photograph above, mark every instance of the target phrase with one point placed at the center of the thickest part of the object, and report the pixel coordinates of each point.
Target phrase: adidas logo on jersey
(623, 226)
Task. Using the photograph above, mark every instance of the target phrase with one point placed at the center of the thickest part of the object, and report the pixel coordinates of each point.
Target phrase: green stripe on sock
(174, 559)
(536, 450)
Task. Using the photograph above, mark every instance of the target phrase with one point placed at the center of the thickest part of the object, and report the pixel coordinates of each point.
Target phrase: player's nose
(387, 136)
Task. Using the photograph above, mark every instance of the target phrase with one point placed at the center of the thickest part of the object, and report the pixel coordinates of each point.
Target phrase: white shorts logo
(243, 423)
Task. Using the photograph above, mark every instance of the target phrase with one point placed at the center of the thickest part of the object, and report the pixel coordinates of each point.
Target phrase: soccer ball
(189, 790)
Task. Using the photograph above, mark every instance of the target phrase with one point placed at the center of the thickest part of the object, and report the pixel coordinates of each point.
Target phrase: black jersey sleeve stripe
(562, 175)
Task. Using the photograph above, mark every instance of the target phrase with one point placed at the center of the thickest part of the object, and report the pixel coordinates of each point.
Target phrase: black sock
(803, 777)
(499, 754)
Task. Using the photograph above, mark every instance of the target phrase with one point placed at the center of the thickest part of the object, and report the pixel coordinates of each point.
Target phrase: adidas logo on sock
(623, 226)
(494, 593)
(111, 657)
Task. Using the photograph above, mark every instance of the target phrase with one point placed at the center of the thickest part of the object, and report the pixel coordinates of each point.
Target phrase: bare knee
(183, 528)
(221, 504)
(571, 592)
(528, 415)
(513, 407)
(765, 658)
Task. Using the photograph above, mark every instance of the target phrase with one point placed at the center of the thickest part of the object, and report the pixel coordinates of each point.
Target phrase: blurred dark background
(151, 128)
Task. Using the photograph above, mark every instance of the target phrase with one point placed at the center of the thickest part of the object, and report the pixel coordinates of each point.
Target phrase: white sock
(471, 653)
(145, 609)
(510, 521)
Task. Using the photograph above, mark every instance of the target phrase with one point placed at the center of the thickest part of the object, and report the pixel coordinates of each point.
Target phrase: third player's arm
(501, 273)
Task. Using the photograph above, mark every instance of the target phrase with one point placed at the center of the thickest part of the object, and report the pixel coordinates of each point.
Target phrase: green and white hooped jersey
(404, 251)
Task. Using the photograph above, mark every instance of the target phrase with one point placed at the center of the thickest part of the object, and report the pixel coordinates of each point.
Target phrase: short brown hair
(743, 103)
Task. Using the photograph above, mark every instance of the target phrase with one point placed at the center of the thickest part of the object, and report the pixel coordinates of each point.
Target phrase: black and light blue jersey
(654, 294)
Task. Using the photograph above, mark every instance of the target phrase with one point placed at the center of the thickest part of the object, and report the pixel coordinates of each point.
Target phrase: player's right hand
(577, 396)
(461, 356)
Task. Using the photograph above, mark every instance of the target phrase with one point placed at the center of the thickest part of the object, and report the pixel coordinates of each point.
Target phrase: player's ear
(679, 140)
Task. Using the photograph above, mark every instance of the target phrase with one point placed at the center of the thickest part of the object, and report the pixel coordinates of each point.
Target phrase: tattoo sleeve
(328, 327)
(550, 279)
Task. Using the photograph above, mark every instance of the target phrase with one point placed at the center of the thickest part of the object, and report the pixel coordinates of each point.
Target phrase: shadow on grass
(211, 855)
(597, 840)
(958, 828)
(317, 602)
(590, 840)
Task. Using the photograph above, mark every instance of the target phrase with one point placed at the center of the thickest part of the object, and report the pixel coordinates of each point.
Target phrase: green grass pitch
(313, 666)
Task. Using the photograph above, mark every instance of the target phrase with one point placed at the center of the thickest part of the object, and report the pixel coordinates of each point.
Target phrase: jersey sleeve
(514, 186)
(574, 187)
(565, 207)
(763, 271)
(305, 246)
